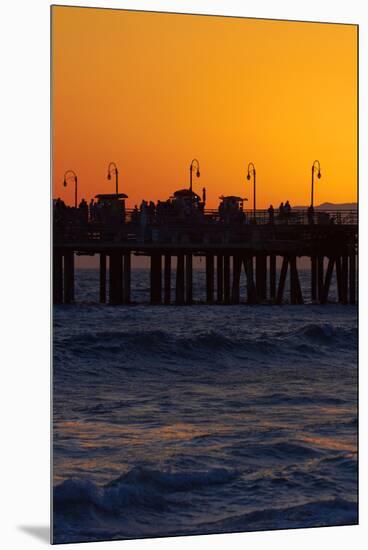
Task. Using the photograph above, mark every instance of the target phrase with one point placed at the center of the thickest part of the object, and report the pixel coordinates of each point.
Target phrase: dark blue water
(177, 420)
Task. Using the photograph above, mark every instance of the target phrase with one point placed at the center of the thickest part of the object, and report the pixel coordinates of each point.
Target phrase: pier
(247, 245)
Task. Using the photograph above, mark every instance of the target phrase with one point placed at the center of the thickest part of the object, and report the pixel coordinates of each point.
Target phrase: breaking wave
(139, 487)
(159, 342)
(330, 512)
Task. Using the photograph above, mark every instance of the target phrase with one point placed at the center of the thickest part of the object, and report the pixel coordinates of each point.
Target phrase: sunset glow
(151, 91)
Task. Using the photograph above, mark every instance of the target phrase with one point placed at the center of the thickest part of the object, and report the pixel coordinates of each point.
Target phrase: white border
(24, 271)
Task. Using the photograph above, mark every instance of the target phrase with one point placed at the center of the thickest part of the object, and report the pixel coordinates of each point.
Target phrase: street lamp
(113, 169)
(70, 174)
(194, 165)
(315, 166)
(252, 171)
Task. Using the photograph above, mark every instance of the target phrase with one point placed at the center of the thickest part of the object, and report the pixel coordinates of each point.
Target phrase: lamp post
(70, 174)
(194, 165)
(113, 169)
(252, 171)
(315, 166)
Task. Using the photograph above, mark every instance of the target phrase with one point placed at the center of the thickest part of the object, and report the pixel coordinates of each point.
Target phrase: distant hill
(331, 206)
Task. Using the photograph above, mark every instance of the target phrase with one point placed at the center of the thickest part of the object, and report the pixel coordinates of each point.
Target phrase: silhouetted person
(271, 214)
(151, 209)
(135, 214)
(310, 215)
(92, 210)
(221, 210)
(59, 212)
(60, 205)
(287, 210)
(83, 209)
(281, 211)
(143, 219)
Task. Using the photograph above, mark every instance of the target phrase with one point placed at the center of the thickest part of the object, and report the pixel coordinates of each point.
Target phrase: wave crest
(140, 487)
(128, 345)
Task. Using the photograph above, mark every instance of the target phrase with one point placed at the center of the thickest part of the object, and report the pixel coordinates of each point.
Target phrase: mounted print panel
(204, 274)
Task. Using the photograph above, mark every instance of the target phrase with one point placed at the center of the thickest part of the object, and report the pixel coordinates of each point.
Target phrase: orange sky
(151, 91)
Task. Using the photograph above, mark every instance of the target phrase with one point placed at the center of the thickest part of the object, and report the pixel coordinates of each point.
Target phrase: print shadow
(40, 532)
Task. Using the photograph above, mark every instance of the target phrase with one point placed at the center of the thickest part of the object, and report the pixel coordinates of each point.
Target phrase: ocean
(175, 420)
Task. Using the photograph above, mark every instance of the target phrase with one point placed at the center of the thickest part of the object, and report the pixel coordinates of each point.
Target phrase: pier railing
(295, 217)
(201, 227)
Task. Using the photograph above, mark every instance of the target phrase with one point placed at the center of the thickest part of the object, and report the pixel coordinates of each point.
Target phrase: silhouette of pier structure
(231, 241)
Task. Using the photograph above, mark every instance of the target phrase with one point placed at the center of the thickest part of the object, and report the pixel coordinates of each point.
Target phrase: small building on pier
(110, 208)
(186, 202)
(231, 208)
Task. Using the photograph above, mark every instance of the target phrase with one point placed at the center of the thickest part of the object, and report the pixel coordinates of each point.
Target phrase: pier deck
(228, 247)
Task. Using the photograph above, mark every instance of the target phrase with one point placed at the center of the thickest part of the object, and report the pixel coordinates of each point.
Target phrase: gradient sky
(151, 91)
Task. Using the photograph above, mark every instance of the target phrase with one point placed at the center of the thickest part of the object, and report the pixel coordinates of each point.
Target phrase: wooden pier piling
(327, 282)
(103, 278)
(188, 279)
(220, 278)
(352, 279)
(338, 278)
(251, 287)
(127, 278)
(299, 294)
(313, 278)
(57, 277)
(210, 271)
(235, 290)
(296, 296)
(116, 278)
(155, 278)
(320, 277)
(344, 275)
(167, 279)
(226, 279)
(282, 280)
(68, 277)
(261, 277)
(272, 277)
(180, 280)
